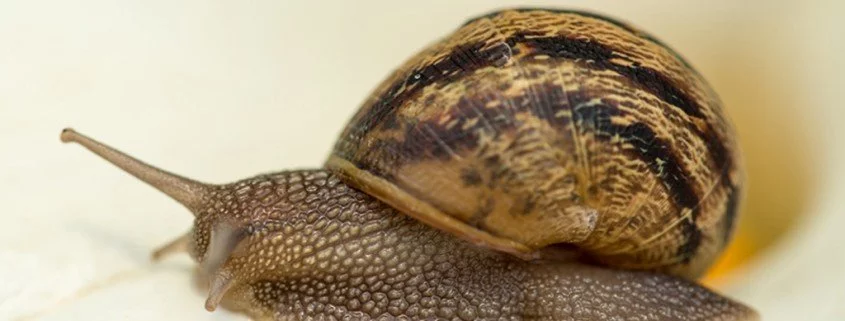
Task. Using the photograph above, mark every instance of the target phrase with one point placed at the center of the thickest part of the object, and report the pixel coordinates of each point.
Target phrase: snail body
(535, 164)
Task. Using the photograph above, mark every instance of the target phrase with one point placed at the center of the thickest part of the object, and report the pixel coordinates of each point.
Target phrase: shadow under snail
(535, 164)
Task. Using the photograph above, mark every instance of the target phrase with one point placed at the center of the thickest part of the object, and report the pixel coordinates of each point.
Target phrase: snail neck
(308, 230)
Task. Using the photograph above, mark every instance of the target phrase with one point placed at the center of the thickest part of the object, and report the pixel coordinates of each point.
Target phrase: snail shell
(531, 129)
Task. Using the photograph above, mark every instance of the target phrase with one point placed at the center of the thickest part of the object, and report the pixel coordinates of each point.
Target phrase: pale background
(223, 90)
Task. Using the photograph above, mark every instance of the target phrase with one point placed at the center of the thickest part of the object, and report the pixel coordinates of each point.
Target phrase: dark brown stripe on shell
(719, 154)
(616, 22)
(692, 240)
(731, 209)
(598, 55)
(462, 60)
(648, 148)
(428, 138)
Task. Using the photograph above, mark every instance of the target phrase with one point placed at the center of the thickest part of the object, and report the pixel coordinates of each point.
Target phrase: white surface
(220, 91)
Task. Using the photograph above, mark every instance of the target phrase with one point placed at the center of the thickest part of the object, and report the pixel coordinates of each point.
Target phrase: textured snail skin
(304, 245)
(529, 128)
(320, 249)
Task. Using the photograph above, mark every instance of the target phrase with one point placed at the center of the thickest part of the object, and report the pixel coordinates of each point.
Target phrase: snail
(535, 164)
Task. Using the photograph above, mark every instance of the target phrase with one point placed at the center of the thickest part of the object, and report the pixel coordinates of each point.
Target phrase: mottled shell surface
(531, 128)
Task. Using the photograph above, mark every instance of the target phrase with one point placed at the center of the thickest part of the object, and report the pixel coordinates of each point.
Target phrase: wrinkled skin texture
(315, 248)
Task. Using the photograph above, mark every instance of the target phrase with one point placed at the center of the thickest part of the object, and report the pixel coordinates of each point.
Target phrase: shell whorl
(527, 128)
